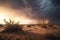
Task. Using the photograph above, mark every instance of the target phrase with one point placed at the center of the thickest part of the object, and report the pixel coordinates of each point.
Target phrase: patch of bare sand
(24, 36)
(36, 33)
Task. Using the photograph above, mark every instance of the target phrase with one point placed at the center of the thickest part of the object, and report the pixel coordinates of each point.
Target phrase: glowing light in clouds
(17, 19)
(2, 17)
(23, 20)
(6, 13)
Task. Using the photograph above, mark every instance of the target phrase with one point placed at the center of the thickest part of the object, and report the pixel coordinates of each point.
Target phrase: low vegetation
(11, 26)
(13, 31)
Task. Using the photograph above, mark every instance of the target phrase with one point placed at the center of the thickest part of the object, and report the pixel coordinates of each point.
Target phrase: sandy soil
(34, 33)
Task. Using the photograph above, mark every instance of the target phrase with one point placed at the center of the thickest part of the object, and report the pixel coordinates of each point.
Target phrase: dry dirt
(34, 33)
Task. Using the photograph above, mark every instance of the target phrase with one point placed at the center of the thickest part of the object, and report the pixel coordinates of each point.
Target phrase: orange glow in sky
(21, 20)
(7, 13)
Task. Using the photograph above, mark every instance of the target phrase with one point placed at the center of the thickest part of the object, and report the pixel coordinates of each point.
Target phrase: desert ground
(36, 32)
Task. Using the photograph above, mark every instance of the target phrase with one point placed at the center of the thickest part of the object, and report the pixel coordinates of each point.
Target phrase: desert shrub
(50, 25)
(29, 26)
(43, 26)
(11, 26)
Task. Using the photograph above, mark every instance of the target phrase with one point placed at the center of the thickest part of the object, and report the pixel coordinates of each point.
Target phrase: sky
(35, 9)
(52, 10)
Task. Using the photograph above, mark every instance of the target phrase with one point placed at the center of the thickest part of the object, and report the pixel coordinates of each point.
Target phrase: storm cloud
(52, 10)
(37, 9)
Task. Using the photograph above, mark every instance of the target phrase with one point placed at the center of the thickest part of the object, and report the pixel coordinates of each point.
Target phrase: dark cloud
(32, 7)
(56, 2)
(37, 9)
(52, 11)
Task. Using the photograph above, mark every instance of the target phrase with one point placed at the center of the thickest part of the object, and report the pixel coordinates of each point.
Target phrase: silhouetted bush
(50, 25)
(29, 26)
(11, 26)
(44, 26)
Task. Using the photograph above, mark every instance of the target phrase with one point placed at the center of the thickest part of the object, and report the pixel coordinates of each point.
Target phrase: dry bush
(43, 26)
(11, 26)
